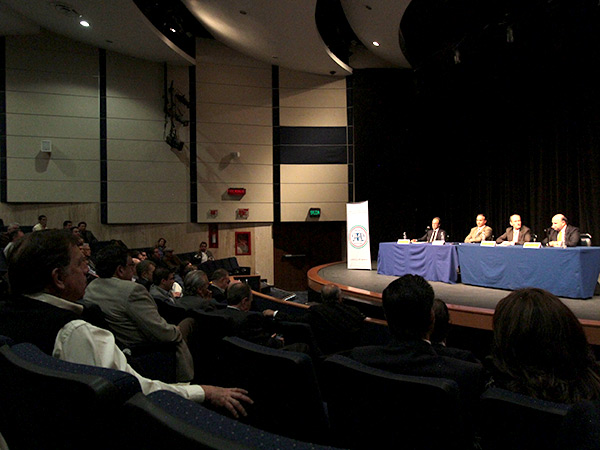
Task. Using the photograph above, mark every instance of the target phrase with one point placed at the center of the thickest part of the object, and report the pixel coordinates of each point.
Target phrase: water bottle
(404, 235)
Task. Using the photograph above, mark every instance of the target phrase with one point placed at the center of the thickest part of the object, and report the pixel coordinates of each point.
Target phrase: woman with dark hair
(539, 349)
(161, 244)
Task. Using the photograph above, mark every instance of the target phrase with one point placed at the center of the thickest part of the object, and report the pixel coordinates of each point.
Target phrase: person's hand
(228, 398)
(413, 240)
(268, 313)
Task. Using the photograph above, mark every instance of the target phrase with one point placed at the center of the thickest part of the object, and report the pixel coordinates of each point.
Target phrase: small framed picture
(242, 243)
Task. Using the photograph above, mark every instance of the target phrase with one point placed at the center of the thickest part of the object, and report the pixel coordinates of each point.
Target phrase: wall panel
(51, 94)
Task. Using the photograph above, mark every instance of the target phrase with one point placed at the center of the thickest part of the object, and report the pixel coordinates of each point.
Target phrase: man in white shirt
(48, 277)
(42, 223)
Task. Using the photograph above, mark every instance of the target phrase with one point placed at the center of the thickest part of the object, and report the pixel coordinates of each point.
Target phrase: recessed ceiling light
(376, 44)
(84, 23)
(172, 30)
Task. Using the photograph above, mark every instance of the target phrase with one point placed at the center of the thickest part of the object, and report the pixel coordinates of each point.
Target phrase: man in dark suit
(516, 233)
(433, 234)
(218, 285)
(562, 233)
(407, 304)
(336, 326)
(249, 325)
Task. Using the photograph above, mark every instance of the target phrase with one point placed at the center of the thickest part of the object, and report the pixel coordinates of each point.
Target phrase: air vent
(65, 9)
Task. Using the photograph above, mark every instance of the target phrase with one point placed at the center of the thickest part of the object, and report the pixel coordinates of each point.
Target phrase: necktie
(433, 235)
(561, 235)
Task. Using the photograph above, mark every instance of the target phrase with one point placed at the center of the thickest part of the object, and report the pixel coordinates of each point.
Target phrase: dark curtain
(514, 129)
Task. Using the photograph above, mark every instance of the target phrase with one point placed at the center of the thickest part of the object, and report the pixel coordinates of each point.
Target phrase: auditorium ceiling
(319, 36)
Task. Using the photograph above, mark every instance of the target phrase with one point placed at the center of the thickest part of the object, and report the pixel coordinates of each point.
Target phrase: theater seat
(164, 417)
(283, 385)
(371, 408)
(52, 404)
(514, 421)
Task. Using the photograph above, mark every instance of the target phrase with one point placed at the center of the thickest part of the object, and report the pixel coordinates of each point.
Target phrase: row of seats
(48, 403)
(53, 404)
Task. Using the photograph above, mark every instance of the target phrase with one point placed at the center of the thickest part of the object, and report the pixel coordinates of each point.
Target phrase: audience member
(336, 326)
(407, 304)
(131, 312)
(196, 294)
(87, 252)
(439, 334)
(86, 234)
(171, 260)
(203, 254)
(481, 232)
(47, 275)
(249, 325)
(145, 270)
(561, 233)
(162, 282)
(218, 285)
(67, 225)
(42, 223)
(161, 244)
(156, 258)
(539, 349)
(13, 238)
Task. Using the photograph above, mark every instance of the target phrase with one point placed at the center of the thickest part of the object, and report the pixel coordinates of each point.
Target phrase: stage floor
(470, 306)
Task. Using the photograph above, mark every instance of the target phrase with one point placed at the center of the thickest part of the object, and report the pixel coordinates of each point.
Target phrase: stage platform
(470, 306)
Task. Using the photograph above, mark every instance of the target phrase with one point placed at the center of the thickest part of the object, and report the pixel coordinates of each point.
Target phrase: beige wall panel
(51, 127)
(46, 168)
(137, 212)
(317, 98)
(62, 148)
(130, 170)
(135, 108)
(235, 114)
(298, 212)
(258, 212)
(217, 192)
(235, 134)
(213, 152)
(149, 192)
(302, 80)
(243, 76)
(144, 151)
(66, 63)
(234, 95)
(51, 105)
(313, 117)
(234, 173)
(209, 51)
(143, 88)
(314, 173)
(316, 192)
(180, 77)
(53, 191)
(83, 85)
(122, 70)
(135, 130)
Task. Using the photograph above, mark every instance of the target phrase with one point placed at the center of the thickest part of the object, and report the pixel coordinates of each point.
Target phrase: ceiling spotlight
(172, 30)
(84, 23)
(376, 44)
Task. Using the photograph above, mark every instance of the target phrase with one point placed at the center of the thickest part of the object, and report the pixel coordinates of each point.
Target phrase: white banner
(357, 225)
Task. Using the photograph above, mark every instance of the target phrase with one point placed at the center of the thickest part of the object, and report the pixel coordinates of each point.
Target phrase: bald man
(481, 232)
(516, 234)
(561, 233)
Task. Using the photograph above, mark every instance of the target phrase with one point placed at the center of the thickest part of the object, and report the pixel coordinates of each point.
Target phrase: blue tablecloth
(432, 262)
(566, 272)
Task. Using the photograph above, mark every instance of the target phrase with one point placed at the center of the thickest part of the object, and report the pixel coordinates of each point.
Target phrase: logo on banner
(358, 236)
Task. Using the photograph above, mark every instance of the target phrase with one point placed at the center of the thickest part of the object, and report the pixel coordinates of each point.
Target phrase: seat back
(372, 408)
(49, 404)
(585, 240)
(580, 429)
(283, 385)
(166, 417)
(515, 421)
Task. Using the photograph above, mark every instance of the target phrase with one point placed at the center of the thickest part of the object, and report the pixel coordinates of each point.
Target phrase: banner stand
(357, 229)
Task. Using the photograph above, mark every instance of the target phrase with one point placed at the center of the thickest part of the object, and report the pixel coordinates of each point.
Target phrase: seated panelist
(433, 234)
(561, 233)
(481, 232)
(516, 233)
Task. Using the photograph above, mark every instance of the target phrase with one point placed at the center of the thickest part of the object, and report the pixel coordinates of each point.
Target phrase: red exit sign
(236, 192)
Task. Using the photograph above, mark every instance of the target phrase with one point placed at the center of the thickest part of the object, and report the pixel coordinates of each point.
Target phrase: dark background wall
(513, 128)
